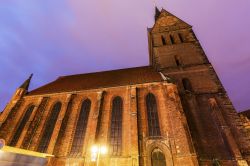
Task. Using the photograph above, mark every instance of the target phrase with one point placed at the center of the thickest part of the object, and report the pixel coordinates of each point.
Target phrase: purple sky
(61, 37)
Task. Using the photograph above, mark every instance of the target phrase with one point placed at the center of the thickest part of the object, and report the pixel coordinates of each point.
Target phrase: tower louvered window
(116, 127)
(163, 40)
(180, 37)
(78, 140)
(49, 127)
(153, 120)
(186, 85)
(172, 39)
(177, 60)
(21, 125)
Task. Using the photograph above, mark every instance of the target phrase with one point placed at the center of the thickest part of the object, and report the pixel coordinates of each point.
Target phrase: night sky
(51, 38)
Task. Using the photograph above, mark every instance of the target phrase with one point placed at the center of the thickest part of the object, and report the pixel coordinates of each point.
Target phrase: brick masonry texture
(197, 121)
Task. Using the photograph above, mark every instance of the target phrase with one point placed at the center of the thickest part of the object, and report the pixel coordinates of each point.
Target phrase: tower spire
(26, 83)
(157, 12)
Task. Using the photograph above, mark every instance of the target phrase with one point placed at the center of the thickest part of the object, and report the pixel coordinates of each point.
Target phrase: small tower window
(172, 39)
(186, 84)
(163, 40)
(180, 37)
(177, 60)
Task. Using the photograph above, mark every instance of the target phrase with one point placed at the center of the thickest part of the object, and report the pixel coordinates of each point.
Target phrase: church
(173, 112)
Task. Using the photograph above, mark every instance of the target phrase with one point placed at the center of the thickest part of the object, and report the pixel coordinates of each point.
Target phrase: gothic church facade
(172, 112)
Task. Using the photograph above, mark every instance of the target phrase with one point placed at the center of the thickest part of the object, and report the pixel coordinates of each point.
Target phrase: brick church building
(174, 111)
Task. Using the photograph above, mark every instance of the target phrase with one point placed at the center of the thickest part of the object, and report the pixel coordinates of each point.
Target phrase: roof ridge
(98, 72)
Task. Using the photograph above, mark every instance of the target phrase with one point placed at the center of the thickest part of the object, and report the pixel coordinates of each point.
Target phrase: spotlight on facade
(93, 157)
(96, 151)
(103, 150)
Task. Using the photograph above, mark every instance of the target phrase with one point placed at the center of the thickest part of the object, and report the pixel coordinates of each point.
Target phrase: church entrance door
(158, 158)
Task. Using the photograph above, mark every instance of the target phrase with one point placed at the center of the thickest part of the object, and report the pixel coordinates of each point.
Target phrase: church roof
(103, 79)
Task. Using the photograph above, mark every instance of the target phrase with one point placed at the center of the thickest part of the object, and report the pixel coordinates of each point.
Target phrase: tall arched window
(153, 120)
(78, 140)
(21, 125)
(116, 127)
(186, 84)
(163, 40)
(49, 127)
(158, 158)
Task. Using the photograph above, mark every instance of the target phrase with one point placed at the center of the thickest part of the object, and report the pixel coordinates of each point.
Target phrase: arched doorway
(158, 158)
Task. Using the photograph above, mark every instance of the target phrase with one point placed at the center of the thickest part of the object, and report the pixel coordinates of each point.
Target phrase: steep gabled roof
(104, 79)
(166, 19)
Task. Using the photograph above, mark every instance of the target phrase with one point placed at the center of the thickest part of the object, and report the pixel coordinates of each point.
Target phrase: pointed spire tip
(157, 13)
(26, 83)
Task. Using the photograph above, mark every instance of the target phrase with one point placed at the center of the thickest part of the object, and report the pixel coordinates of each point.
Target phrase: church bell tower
(214, 125)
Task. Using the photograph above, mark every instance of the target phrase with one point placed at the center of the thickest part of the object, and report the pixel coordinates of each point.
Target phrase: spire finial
(26, 83)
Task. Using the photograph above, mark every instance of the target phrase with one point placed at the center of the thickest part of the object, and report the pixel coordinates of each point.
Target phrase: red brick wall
(174, 140)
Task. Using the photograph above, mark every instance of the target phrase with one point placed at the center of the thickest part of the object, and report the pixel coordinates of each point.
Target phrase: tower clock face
(168, 20)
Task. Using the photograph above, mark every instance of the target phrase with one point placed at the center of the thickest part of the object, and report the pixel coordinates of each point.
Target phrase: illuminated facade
(172, 112)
